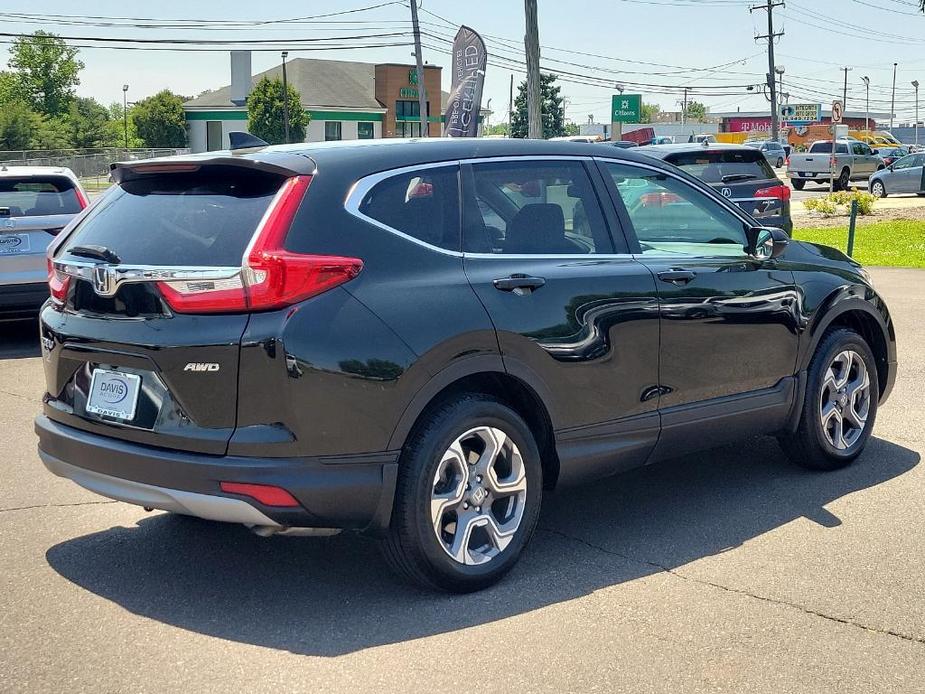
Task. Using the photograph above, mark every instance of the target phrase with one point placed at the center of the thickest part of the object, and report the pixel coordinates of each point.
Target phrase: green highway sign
(626, 108)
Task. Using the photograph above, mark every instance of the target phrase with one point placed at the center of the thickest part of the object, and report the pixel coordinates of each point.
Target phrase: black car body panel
(622, 366)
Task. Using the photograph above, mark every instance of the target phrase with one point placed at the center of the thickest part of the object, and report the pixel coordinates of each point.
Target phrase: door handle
(524, 283)
(675, 276)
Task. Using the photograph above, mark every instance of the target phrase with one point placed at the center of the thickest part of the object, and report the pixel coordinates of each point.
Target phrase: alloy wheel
(844, 401)
(877, 189)
(478, 495)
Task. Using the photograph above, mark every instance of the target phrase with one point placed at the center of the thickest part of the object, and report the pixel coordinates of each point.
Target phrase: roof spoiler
(281, 163)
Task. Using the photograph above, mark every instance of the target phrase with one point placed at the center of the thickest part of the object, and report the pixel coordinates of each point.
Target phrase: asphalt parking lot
(726, 571)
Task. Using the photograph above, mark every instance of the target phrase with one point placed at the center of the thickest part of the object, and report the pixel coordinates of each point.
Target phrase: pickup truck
(854, 161)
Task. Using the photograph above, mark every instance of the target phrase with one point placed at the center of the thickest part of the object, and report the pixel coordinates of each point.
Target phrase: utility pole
(893, 100)
(844, 98)
(532, 44)
(510, 108)
(125, 113)
(285, 100)
(684, 107)
(866, 80)
(419, 65)
(769, 7)
(915, 83)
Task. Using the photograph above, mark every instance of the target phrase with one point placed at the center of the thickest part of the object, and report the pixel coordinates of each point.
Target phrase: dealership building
(346, 101)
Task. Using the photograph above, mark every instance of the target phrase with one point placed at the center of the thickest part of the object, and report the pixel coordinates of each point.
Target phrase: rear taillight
(58, 283)
(780, 192)
(81, 198)
(271, 277)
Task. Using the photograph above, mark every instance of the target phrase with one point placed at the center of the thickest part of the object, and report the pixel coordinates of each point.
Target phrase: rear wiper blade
(729, 178)
(95, 252)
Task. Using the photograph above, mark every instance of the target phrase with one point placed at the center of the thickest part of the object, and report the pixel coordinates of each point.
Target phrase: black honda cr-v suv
(416, 339)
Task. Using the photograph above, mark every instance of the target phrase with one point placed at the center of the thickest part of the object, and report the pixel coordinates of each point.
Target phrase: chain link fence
(91, 166)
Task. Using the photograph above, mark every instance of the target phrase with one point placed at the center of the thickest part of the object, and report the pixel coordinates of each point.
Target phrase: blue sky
(660, 43)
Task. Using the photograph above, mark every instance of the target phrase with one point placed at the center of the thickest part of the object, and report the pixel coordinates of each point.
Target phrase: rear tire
(444, 534)
(844, 180)
(798, 185)
(840, 406)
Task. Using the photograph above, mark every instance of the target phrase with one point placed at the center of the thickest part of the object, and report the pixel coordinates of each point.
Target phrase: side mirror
(765, 243)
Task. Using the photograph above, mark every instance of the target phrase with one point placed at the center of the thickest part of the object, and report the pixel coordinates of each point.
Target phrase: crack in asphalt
(739, 591)
(16, 395)
(76, 503)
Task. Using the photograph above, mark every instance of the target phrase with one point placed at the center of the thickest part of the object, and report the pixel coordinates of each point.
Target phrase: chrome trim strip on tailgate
(106, 278)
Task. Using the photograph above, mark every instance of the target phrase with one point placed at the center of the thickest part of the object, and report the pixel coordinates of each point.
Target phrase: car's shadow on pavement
(19, 339)
(333, 596)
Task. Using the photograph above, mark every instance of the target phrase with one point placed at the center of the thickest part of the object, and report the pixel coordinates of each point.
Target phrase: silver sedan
(906, 175)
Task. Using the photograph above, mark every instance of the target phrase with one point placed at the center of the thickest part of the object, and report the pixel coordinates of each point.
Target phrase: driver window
(671, 217)
(904, 163)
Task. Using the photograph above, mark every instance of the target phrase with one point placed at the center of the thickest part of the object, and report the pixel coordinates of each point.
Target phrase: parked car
(774, 152)
(891, 154)
(622, 144)
(904, 176)
(740, 173)
(36, 202)
(419, 339)
(854, 161)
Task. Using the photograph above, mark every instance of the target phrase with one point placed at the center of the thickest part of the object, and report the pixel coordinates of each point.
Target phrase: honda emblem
(104, 279)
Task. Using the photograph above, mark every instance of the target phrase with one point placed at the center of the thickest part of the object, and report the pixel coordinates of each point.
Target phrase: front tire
(844, 180)
(468, 496)
(840, 406)
(877, 189)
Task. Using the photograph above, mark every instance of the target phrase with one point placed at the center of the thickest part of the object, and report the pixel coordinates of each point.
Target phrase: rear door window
(533, 208)
(423, 204)
(724, 166)
(35, 196)
(203, 218)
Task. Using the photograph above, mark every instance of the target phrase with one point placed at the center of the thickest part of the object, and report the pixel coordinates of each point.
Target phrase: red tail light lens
(272, 277)
(58, 283)
(81, 198)
(780, 192)
(266, 494)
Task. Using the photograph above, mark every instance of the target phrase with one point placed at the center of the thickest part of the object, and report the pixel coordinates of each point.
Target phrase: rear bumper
(22, 300)
(351, 493)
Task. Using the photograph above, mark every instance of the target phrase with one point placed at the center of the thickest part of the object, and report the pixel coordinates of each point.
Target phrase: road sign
(801, 114)
(838, 110)
(626, 108)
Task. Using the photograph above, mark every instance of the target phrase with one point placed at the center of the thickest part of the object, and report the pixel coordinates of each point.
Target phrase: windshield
(205, 218)
(715, 166)
(34, 196)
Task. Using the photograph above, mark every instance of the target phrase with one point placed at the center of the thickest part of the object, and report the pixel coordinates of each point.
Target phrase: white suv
(36, 202)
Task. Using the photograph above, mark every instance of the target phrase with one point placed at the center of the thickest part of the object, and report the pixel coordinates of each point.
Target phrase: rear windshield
(826, 148)
(205, 218)
(712, 167)
(33, 196)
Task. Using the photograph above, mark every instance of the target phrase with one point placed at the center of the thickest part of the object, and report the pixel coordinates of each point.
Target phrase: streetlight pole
(125, 113)
(866, 80)
(915, 83)
(893, 100)
(285, 100)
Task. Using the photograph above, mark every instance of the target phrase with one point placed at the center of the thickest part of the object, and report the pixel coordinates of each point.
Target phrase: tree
(9, 87)
(160, 121)
(496, 129)
(47, 70)
(18, 125)
(115, 127)
(695, 111)
(552, 112)
(86, 124)
(265, 112)
(649, 113)
(572, 129)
